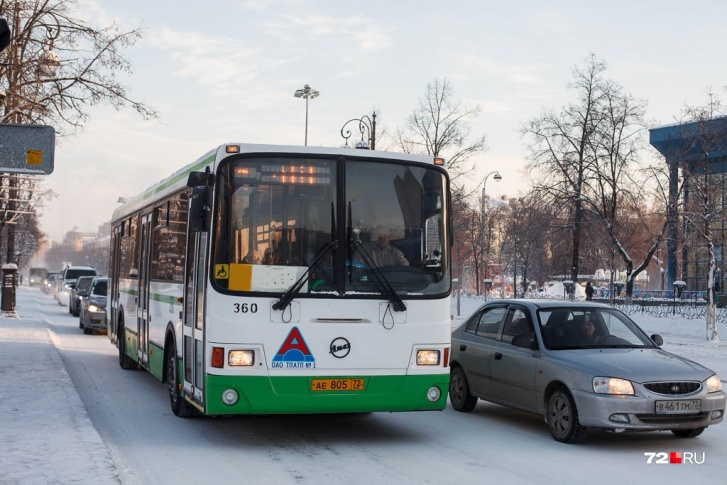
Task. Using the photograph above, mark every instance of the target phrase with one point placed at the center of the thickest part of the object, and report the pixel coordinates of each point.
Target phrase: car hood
(99, 301)
(638, 365)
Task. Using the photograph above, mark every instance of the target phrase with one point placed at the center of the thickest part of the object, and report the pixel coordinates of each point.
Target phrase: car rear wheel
(688, 433)
(563, 418)
(459, 391)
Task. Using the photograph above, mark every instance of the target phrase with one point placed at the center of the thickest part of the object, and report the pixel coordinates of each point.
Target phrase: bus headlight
(427, 357)
(241, 358)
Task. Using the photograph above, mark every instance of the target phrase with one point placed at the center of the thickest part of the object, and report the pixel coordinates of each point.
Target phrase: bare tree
(614, 191)
(440, 126)
(559, 145)
(56, 67)
(705, 130)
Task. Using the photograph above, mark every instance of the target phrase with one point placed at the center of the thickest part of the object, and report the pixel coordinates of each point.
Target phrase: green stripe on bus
(284, 395)
(140, 200)
(155, 296)
(156, 360)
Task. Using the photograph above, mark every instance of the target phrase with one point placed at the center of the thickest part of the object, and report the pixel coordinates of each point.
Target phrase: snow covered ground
(46, 435)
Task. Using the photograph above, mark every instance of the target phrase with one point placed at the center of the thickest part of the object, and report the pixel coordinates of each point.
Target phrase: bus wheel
(125, 362)
(180, 407)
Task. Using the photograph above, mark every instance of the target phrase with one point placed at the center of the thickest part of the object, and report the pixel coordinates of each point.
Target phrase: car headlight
(94, 308)
(612, 385)
(714, 384)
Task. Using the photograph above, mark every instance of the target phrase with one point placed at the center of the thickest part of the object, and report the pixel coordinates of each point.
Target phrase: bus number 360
(245, 308)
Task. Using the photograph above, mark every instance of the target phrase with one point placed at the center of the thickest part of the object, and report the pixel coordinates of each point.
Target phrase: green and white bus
(249, 282)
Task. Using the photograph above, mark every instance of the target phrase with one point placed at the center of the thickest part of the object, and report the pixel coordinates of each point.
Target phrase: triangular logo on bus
(294, 352)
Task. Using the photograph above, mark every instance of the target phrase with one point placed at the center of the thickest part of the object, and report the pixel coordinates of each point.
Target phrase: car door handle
(498, 356)
(463, 347)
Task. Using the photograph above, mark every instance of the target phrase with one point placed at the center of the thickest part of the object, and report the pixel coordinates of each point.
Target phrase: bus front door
(194, 309)
(143, 314)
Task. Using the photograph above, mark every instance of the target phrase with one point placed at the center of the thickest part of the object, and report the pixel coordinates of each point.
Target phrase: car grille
(671, 418)
(673, 388)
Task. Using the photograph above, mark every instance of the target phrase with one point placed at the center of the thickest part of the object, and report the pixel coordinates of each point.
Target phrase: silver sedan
(580, 365)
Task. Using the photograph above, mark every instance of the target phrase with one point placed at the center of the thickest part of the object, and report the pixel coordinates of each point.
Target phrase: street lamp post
(365, 125)
(307, 93)
(496, 177)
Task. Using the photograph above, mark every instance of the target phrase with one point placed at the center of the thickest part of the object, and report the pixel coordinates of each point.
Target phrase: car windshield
(72, 274)
(581, 328)
(84, 283)
(99, 287)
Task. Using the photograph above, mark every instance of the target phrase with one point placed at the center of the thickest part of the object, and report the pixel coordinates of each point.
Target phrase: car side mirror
(657, 339)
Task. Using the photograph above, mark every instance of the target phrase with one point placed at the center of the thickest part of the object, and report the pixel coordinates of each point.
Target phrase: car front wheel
(688, 433)
(563, 418)
(459, 391)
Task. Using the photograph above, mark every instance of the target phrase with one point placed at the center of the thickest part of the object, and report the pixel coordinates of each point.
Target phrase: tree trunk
(577, 220)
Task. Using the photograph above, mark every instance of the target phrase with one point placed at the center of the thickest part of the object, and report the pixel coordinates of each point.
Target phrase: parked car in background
(70, 275)
(580, 365)
(92, 314)
(80, 289)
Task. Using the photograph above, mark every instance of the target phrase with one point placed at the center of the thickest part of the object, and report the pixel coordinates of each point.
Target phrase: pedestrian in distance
(589, 291)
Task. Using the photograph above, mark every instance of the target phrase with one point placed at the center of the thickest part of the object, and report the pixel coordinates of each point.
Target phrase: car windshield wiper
(293, 291)
(397, 303)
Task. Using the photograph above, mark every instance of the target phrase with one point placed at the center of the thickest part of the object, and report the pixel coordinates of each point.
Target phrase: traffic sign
(27, 148)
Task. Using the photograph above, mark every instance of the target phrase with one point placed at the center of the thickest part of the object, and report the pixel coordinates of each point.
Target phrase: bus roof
(178, 179)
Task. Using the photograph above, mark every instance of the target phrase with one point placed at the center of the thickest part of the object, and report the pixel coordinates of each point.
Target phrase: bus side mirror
(200, 179)
(200, 212)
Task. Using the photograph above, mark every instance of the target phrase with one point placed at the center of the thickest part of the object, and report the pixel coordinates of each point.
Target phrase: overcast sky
(225, 71)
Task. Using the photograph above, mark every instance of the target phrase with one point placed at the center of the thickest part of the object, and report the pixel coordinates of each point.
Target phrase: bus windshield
(370, 221)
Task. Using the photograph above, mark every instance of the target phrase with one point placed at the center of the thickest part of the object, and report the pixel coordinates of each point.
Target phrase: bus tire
(125, 362)
(180, 407)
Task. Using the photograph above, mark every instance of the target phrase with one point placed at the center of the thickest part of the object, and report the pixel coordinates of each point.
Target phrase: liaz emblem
(294, 353)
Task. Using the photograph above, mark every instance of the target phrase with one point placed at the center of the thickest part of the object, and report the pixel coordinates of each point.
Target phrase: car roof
(544, 304)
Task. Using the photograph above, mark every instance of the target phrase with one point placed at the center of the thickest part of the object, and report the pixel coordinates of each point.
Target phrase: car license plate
(692, 406)
(337, 385)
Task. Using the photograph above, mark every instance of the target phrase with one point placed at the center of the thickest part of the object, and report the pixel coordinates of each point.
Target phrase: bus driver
(382, 253)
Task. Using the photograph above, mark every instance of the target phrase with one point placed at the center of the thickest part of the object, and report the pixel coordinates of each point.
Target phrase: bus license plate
(692, 406)
(337, 385)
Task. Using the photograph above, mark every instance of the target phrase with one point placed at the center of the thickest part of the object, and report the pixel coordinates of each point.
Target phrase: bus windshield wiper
(295, 288)
(355, 243)
(293, 291)
(397, 303)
